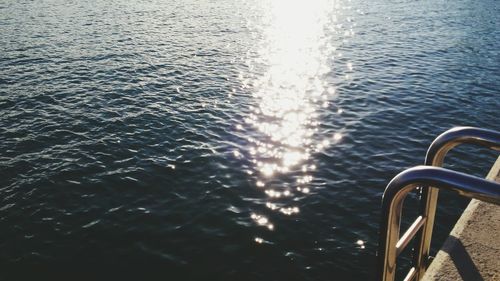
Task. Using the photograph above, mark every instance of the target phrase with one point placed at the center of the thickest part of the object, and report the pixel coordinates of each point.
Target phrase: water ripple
(214, 140)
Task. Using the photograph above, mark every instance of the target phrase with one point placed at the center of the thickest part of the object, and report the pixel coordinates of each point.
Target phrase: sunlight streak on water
(290, 89)
(125, 119)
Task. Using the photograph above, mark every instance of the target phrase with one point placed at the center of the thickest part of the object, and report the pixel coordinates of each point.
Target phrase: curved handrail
(406, 181)
(435, 157)
(456, 136)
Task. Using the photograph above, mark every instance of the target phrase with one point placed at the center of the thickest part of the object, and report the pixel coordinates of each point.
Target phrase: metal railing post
(401, 185)
(390, 245)
(429, 195)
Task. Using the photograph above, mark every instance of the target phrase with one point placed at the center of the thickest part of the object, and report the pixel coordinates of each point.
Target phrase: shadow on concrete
(462, 260)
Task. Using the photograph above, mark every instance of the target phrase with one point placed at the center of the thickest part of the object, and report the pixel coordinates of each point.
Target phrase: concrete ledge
(472, 251)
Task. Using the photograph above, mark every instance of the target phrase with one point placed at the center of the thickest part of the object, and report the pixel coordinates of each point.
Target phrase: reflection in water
(292, 58)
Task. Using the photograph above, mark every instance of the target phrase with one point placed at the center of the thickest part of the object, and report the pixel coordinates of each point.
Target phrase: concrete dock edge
(472, 250)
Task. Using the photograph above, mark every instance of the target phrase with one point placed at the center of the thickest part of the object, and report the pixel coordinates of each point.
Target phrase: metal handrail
(422, 226)
(392, 203)
(456, 136)
(428, 200)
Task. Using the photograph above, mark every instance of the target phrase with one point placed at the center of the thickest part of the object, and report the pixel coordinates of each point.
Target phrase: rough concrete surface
(472, 251)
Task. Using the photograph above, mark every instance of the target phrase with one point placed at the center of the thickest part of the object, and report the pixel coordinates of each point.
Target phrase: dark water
(227, 140)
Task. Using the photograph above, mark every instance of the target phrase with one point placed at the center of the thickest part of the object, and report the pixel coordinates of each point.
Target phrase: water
(227, 140)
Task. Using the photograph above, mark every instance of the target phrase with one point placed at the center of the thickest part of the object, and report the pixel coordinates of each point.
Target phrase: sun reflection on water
(289, 92)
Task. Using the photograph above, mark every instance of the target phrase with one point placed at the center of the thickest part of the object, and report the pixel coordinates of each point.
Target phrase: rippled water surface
(227, 140)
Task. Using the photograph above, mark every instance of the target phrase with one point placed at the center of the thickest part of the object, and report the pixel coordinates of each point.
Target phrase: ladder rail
(405, 182)
(423, 225)
(429, 196)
